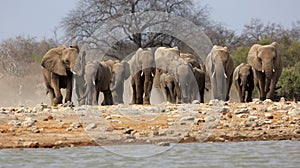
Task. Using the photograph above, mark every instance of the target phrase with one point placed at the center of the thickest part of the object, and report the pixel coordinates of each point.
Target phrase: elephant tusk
(263, 71)
(152, 74)
(241, 84)
(142, 73)
(94, 83)
(74, 72)
(225, 75)
(212, 76)
(273, 70)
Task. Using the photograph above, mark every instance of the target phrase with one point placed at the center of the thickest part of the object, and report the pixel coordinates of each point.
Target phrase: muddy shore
(45, 126)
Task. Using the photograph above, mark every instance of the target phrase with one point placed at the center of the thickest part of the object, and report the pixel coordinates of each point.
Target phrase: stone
(269, 116)
(128, 131)
(253, 118)
(58, 143)
(28, 122)
(163, 144)
(170, 120)
(188, 118)
(241, 110)
(91, 126)
(282, 99)
(195, 102)
(15, 123)
(199, 120)
(268, 101)
(267, 121)
(297, 131)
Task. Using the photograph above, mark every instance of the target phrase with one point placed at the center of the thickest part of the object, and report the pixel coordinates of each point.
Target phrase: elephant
(142, 70)
(58, 68)
(199, 73)
(79, 77)
(219, 66)
(167, 85)
(120, 73)
(184, 79)
(267, 67)
(200, 78)
(163, 57)
(97, 79)
(243, 81)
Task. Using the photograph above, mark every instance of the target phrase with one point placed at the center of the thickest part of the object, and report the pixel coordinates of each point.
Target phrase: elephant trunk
(268, 70)
(243, 92)
(171, 91)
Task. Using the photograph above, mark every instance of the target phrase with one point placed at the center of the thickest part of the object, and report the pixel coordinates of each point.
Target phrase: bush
(290, 83)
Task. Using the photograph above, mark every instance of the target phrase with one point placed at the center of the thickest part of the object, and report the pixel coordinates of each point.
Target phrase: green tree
(239, 55)
(290, 83)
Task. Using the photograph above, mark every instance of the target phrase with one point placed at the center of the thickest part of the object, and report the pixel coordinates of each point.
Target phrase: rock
(269, 115)
(285, 118)
(199, 120)
(15, 123)
(297, 131)
(34, 144)
(257, 101)
(268, 101)
(225, 109)
(215, 102)
(91, 126)
(253, 118)
(128, 131)
(115, 116)
(69, 129)
(58, 143)
(75, 125)
(108, 117)
(267, 121)
(163, 144)
(241, 110)
(188, 118)
(242, 115)
(195, 102)
(282, 99)
(28, 122)
(170, 120)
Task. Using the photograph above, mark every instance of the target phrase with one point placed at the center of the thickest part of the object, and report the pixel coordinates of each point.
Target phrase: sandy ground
(43, 126)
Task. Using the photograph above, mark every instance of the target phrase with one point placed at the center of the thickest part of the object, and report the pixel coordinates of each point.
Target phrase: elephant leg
(52, 95)
(133, 98)
(69, 89)
(96, 97)
(178, 93)
(165, 94)
(147, 88)
(139, 84)
(249, 95)
(58, 96)
(271, 89)
(228, 86)
(239, 90)
(107, 98)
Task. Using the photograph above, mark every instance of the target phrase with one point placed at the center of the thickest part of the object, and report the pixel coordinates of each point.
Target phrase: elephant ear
(236, 71)
(52, 61)
(252, 58)
(126, 70)
(278, 61)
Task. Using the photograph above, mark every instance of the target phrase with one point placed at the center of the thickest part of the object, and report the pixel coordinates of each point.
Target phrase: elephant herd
(179, 77)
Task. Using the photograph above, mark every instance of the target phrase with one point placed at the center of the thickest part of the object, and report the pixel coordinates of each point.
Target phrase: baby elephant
(243, 81)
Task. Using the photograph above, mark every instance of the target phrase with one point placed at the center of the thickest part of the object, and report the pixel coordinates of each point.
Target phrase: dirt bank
(43, 126)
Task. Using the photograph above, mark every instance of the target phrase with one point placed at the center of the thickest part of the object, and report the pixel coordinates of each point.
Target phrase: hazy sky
(39, 18)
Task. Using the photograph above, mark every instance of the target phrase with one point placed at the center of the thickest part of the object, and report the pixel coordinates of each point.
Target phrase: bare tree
(81, 23)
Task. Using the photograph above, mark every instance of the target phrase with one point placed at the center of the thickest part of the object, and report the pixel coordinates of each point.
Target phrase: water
(241, 154)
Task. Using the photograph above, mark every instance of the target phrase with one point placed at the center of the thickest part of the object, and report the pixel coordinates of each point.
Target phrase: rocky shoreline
(44, 126)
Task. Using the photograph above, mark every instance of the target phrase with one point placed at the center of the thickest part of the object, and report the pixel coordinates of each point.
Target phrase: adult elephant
(184, 80)
(199, 73)
(142, 69)
(243, 81)
(219, 66)
(97, 79)
(58, 68)
(120, 73)
(79, 77)
(267, 67)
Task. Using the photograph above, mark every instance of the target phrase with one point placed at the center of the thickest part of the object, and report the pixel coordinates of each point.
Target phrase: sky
(39, 18)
